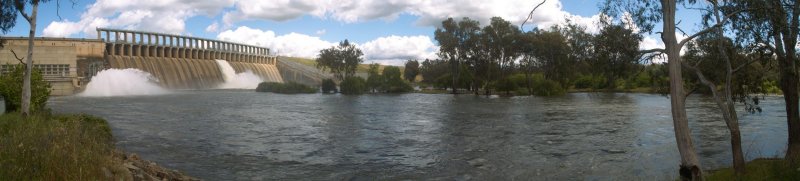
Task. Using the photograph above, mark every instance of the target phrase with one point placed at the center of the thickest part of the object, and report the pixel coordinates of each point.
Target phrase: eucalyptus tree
(645, 14)
(502, 44)
(616, 51)
(774, 26)
(454, 44)
(341, 60)
(411, 70)
(9, 9)
(550, 50)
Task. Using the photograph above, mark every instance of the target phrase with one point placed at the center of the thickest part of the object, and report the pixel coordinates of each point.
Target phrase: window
(47, 69)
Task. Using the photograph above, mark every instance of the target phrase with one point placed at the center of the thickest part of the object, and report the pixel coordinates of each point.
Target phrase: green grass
(759, 169)
(56, 147)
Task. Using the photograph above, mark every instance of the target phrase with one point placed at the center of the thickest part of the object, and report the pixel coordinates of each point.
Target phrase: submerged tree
(341, 60)
(454, 45)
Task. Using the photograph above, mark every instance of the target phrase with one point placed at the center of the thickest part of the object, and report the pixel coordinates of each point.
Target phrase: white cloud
(395, 50)
(321, 32)
(150, 15)
(214, 27)
(292, 44)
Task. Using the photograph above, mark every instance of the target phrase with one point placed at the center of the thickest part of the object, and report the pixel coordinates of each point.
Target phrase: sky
(387, 31)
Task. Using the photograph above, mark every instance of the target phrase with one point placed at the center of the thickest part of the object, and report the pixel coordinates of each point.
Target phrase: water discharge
(122, 82)
(244, 80)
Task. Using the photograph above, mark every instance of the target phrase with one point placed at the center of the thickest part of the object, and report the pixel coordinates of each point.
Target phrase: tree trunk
(26, 82)
(690, 166)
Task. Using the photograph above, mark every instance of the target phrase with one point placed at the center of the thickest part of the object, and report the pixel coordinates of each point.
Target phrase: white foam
(122, 82)
(244, 80)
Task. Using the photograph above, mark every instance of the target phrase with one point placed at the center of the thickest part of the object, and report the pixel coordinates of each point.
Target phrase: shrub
(353, 85)
(11, 89)
(506, 85)
(392, 82)
(285, 88)
(546, 87)
(328, 86)
(60, 147)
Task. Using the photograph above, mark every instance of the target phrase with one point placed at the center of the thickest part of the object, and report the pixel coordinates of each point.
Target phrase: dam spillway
(182, 62)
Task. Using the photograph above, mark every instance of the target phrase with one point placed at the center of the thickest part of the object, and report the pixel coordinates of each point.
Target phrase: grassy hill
(362, 69)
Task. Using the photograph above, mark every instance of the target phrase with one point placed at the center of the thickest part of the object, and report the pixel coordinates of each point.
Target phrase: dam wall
(182, 62)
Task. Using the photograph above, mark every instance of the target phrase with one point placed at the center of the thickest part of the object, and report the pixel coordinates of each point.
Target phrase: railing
(170, 40)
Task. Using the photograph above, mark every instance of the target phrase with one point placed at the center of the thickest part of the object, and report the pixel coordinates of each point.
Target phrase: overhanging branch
(530, 15)
(711, 28)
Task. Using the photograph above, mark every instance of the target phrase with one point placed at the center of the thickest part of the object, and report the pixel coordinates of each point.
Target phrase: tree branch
(17, 57)
(711, 28)
(530, 15)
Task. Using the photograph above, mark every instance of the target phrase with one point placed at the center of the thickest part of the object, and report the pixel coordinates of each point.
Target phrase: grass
(56, 147)
(759, 169)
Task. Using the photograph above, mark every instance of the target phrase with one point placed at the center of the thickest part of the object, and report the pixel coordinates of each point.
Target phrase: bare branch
(744, 65)
(17, 57)
(655, 50)
(530, 15)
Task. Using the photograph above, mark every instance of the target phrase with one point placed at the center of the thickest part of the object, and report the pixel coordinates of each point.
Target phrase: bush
(285, 88)
(589, 82)
(11, 89)
(392, 82)
(353, 85)
(546, 87)
(506, 85)
(328, 86)
(60, 147)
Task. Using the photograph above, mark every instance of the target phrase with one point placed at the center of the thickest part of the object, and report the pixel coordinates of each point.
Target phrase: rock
(133, 156)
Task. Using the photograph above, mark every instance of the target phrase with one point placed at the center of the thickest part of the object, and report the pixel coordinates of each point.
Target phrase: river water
(244, 135)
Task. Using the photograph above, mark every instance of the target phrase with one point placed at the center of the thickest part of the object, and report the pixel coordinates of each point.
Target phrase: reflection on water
(243, 135)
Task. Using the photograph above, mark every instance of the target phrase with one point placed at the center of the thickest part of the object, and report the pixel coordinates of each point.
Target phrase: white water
(244, 80)
(122, 82)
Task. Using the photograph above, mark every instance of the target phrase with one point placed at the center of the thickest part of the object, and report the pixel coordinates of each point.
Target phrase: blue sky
(388, 31)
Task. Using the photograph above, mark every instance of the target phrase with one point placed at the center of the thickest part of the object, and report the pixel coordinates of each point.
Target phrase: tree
(8, 10)
(392, 81)
(341, 60)
(11, 86)
(501, 40)
(551, 51)
(374, 79)
(773, 25)
(433, 69)
(411, 70)
(645, 14)
(617, 51)
(455, 44)
(328, 86)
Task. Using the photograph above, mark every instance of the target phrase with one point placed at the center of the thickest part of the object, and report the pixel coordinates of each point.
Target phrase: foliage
(353, 85)
(374, 79)
(457, 44)
(56, 147)
(551, 50)
(285, 88)
(328, 86)
(617, 51)
(432, 70)
(341, 60)
(392, 82)
(411, 70)
(506, 85)
(11, 91)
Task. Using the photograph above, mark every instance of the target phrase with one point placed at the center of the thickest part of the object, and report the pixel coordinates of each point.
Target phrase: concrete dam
(174, 61)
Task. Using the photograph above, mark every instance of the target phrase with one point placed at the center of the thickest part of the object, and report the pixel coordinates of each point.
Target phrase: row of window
(47, 69)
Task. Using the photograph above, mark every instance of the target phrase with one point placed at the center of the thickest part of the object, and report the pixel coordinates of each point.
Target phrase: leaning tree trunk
(26, 82)
(789, 82)
(690, 165)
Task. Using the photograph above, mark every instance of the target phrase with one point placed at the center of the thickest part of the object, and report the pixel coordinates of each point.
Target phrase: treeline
(343, 60)
(502, 59)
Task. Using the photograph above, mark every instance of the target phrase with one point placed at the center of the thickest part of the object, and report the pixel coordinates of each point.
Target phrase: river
(244, 135)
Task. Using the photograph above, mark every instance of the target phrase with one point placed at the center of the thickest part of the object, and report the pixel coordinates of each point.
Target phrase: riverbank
(69, 147)
(759, 169)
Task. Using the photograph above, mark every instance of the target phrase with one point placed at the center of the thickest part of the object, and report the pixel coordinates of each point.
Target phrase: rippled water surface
(243, 135)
